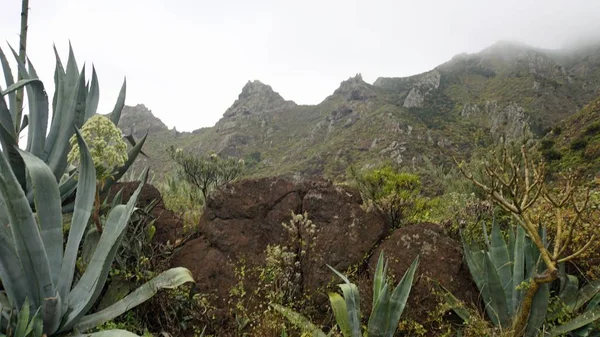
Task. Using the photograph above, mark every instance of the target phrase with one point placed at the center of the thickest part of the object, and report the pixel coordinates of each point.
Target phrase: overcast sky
(187, 60)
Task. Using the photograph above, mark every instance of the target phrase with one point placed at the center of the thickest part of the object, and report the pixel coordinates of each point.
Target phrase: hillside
(574, 144)
(507, 90)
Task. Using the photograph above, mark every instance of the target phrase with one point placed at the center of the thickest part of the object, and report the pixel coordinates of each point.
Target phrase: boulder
(441, 260)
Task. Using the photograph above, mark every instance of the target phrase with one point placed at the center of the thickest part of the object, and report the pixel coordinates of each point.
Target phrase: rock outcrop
(242, 219)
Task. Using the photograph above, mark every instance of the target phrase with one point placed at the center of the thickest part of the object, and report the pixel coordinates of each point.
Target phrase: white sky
(187, 60)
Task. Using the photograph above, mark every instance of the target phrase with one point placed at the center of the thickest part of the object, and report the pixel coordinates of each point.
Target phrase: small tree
(518, 185)
(206, 172)
(395, 194)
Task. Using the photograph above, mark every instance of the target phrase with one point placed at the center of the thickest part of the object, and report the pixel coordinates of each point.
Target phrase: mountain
(507, 90)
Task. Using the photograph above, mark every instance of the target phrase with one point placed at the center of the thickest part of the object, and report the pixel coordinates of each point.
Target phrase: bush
(397, 195)
(578, 144)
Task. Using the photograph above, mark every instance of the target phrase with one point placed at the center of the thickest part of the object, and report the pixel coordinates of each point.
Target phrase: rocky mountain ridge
(507, 90)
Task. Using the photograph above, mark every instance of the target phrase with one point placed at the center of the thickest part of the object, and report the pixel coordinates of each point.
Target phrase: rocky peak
(355, 89)
(136, 120)
(256, 98)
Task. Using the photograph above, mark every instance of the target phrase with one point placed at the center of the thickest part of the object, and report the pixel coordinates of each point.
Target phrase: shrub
(395, 194)
(578, 144)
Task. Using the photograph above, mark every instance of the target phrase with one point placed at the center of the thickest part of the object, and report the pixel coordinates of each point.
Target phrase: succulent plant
(73, 103)
(37, 267)
(388, 305)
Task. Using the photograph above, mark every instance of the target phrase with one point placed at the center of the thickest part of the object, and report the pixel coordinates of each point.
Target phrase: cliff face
(506, 91)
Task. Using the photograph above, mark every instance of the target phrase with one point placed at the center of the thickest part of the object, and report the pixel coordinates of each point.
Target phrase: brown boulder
(441, 260)
(242, 219)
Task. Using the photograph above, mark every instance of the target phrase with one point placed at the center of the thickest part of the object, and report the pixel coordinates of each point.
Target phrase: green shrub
(578, 144)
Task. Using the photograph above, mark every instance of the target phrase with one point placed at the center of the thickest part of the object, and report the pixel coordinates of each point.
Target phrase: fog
(188, 60)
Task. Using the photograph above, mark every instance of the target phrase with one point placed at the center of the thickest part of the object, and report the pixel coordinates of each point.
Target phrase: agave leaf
(57, 159)
(84, 201)
(454, 303)
(6, 123)
(169, 279)
(352, 298)
(298, 320)
(51, 312)
(22, 319)
(87, 290)
(20, 84)
(539, 310)
(131, 156)
(11, 272)
(115, 115)
(93, 97)
(378, 321)
(399, 298)
(9, 79)
(340, 311)
(104, 333)
(569, 294)
(67, 188)
(26, 235)
(378, 279)
(59, 103)
(510, 243)
(496, 302)
(586, 293)
(576, 323)
(47, 205)
(518, 270)
(475, 263)
(593, 303)
(500, 257)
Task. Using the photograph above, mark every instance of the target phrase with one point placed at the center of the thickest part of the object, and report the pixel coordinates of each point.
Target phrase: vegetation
(395, 194)
(387, 308)
(519, 186)
(206, 173)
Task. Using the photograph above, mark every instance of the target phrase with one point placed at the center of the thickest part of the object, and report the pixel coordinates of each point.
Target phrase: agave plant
(38, 269)
(388, 305)
(73, 103)
(501, 273)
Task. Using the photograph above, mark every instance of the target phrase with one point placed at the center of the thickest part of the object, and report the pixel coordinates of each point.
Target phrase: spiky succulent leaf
(169, 279)
(84, 201)
(400, 297)
(87, 290)
(500, 258)
(115, 115)
(518, 272)
(340, 311)
(378, 320)
(26, 236)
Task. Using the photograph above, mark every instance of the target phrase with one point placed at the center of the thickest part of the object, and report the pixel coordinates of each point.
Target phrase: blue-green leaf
(93, 96)
(399, 298)
(26, 235)
(115, 115)
(47, 205)
(84, 202)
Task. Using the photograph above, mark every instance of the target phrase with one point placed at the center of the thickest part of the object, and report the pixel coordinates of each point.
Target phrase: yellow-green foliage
(105, 143)
(180, 197)
(395, 194)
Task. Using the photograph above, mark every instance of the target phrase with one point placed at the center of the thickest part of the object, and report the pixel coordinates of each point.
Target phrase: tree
(519, 186)
(206, 172)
